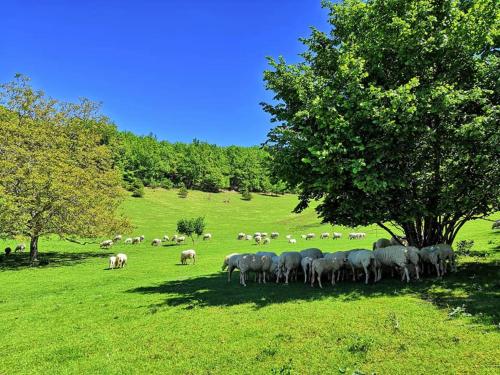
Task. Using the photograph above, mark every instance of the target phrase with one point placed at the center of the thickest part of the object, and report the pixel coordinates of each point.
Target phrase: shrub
(137, 188)
(166, 184)
(465, 246)
(246, 195)
(183, 192)
(190, 227)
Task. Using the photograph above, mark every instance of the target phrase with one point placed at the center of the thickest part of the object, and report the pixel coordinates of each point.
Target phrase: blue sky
(179, 69)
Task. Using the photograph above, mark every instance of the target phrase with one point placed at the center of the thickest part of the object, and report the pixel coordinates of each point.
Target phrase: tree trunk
(431, 232)
(34, 248)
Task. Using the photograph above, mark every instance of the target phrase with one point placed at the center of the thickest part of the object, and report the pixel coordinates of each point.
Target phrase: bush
(166, 184)
(246, 195)
(183, 192)
(154, 184)
(137, 188)
(190, 227)
(464, 247)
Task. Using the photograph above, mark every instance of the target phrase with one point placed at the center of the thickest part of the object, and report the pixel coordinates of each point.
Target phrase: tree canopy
(56, 170)
(392, 116)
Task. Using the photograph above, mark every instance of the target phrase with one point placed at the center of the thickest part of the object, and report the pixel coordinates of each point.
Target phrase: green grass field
(155, 316)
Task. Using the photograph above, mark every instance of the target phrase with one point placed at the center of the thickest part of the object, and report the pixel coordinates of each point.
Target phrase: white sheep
(402, 241)
(310, 236)
(430, 255)
(288, 236)
(188, 254)
(166, 238)
(174, 237)
(258, 240)
(288, 262)
(136, 240)
(381, 243)
(303, 236)
(274, 235)
(103, 245)
(312, 253)
(413, 258)
(112, 262)
(292, 241)
(128, 240)
(322, 266)
(257, 234)
(266, 241)
(231, 262)
(121, 260)
(306, 264)
(392, 256)
(263, 234)
(248, 237)
(258, 264)
(142, 237)
(364, 259)
(207, 236)
(446, 253)
(268, 253)
(241, 236)
(324, 235)
(20, 247)
(156, 242)
(117, 238)
(339, 257)
(336, 235)
(180, 239)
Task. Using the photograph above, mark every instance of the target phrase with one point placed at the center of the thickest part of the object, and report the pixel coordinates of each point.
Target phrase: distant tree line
(197, 165)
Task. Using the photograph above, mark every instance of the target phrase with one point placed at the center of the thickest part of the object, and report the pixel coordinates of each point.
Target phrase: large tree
(393, 116)
(56, 169)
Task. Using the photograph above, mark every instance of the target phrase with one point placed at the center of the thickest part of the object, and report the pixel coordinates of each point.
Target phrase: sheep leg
(312, 277)
(333, 277)
(229, 272)
(242, 278)
(319, 280)
(407, 274)
(353, 273)
(305, 274)
(437, 269)
(366, 275)
(264, 276)
(417, 271)
(287, 272)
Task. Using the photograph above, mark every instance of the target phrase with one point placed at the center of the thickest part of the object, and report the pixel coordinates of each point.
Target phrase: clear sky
(179, 69)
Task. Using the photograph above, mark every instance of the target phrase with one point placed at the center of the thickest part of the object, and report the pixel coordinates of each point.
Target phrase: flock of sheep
(178, 239)
(313, 264)
(264, 239)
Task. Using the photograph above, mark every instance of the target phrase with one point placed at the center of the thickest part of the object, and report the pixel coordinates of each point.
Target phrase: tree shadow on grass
(476, 286)
(19, 261)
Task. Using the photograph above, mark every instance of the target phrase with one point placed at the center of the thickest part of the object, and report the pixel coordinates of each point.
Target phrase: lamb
(21, 247)
(312, 253)
(310, 236)
(289, 262)
(103, 245)
(324, 235)
(381, 243)
(112, 262)
(128, 241)
(142, 237)
(136, 240)
(180, 239)
(255, 263)
(274, 235)
(166, 238)
(248, 237)
(266, 241)
(292, 241)
(117, 238)
(321, 266)
(207, 236)
(188, 254)
(156, 242)
(241, 236)
(337, 235)
(446, 253)
(306, 264)
(121, 260)
(392, 256)
(430, 255)
(362, 259)
(258, 240)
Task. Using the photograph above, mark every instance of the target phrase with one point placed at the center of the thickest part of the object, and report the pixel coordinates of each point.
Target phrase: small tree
(137, 188)
(246, 195)
(183, 192)
(191, 227)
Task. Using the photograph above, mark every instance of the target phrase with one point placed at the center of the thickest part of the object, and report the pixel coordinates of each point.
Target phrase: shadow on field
(18, 261)
(476, 288)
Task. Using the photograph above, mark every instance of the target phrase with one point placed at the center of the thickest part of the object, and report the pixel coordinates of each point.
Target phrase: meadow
(73, 315)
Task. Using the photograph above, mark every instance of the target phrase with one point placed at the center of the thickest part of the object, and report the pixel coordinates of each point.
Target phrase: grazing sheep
(303, 236)
(231, 262)
(166, 238)
(103, 245)
(274, 266)
(413, 258)
(446, 253)
(156, 242)
(263, 234)
(341, 258)
(306, 264)
(353, 236)
(381, 243)
(258, 264)
(392, 256)
(174, 237)
(496, 225)
(292, 241)
(112, 262)
(248, 237)
(258, 240)
(430, 256)
(268, 253)
(136, 240)
(324, 235)
(241, 236)
(311, 253)
(142, 237)
(257, 234)
(274, 235)
(121, 260)
(288, 236)
(207, 236)
(357, 235)
(289, 262)
(128, 241)
(117, 238)
(21, 247)
(180, 239)
(361, 259)
(321, 266)
(337, 235)
(188, 254)
(266, 241)
(310, 236)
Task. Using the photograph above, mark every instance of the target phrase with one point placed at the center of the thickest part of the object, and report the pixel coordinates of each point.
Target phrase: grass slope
(155, 316)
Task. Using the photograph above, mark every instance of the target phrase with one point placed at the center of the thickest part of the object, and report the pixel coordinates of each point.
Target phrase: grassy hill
(155, 316)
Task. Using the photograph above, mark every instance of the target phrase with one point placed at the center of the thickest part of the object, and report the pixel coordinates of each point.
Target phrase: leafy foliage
(393, 116)
(137, 188)
(183, 192)
(191, 227)
(246, 195)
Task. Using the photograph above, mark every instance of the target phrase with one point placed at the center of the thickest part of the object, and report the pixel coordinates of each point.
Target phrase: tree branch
(78, 242)
(388, 230)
